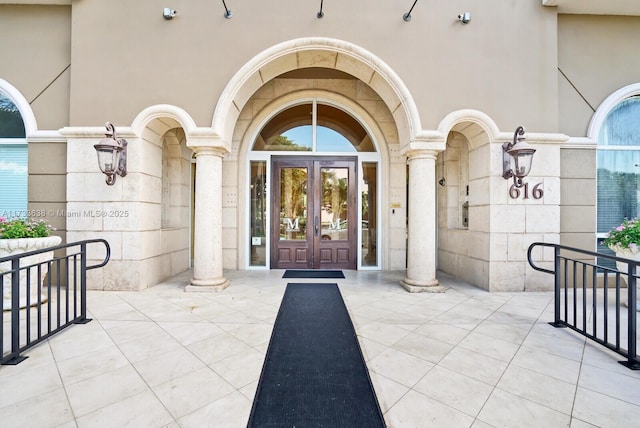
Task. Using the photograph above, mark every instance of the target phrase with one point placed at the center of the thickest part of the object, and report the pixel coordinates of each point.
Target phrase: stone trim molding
(254, 73)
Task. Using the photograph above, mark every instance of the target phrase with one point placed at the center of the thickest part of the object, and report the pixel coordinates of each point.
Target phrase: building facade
(368, 138)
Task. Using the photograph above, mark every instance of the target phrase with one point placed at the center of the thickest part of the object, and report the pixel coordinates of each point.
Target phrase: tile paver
(165, 358)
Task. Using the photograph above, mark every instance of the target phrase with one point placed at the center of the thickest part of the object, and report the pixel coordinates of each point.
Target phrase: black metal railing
(589, 297)
(44, 296)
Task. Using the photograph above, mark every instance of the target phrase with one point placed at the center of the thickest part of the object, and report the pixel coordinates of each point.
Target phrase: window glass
(369, 223)
(618, 164)
(622, 125)
(289, 130)
(332, 141)
(293, 130)
(13, 180)
(338, 131)
(11, 124)
(293, 204)
(13, 161)
(259, 207)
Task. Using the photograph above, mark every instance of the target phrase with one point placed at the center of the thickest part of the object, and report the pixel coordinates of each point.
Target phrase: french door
(314, 213)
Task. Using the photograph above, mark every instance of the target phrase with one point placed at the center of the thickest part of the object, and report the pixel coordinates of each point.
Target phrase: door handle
(315, 225)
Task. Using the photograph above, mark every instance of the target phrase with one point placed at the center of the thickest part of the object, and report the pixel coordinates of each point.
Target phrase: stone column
(207, 245)
(422, 228)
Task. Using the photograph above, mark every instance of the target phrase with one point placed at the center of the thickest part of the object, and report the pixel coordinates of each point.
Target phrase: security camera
(169, 13)
(464, 17)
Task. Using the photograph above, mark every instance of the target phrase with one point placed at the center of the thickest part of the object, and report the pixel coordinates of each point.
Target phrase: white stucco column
(422, 227)
(207, 245)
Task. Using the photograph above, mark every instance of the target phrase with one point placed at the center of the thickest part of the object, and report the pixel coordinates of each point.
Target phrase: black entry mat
(312, 273)
(314, 374)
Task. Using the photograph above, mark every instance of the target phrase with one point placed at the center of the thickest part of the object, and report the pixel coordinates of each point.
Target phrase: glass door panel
(258, 232)
(368, 225)
(334, 209)
(293, 204)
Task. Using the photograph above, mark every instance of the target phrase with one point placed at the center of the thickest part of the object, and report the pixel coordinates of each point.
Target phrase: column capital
(421, 153)
(209, 151)
(424, 149)
(209, 144)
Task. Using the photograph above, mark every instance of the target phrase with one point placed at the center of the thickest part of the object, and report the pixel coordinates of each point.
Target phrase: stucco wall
(35, 57)
(596, 57)
(578, 214)
(47, 193)
(503, 62)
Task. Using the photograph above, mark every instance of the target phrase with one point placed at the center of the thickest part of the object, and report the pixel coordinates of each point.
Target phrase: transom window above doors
(313, 127)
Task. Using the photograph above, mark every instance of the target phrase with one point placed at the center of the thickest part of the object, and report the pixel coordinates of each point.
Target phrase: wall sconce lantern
(517, 157)
(112, 155)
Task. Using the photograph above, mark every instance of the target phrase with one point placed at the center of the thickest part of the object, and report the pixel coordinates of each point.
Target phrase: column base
(422, 287)
(207, 285)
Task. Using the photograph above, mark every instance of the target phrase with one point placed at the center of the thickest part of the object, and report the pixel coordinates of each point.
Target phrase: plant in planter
(19, 236)
(624, 240)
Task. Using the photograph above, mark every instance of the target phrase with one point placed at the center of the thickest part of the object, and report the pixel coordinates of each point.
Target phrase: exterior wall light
(517, 157)
(112, 155)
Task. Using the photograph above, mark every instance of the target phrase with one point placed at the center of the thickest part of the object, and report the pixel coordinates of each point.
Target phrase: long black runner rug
(314, 374)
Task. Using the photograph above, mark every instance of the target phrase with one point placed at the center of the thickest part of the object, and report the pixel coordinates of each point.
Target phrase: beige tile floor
(463, 358)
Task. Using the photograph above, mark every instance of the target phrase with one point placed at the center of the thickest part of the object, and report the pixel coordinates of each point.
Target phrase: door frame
(315, 252)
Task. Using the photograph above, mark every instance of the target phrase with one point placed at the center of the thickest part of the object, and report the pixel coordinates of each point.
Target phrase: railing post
(15, 314)
(83, 285)
(556, 288)
(632, 360)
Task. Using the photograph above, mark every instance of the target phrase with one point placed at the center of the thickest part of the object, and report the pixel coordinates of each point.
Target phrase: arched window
(618, 165)
(314, 127)
(13, 160)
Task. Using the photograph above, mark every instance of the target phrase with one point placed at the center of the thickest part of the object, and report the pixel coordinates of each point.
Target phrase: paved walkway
(464, 358)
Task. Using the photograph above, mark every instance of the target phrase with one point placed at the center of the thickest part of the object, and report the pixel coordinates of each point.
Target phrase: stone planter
(622, 267)
(9, 247)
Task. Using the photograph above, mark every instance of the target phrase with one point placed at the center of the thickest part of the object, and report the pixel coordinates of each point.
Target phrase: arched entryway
(369, 90)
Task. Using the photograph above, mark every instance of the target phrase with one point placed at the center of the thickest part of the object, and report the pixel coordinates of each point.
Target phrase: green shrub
(24, 228)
